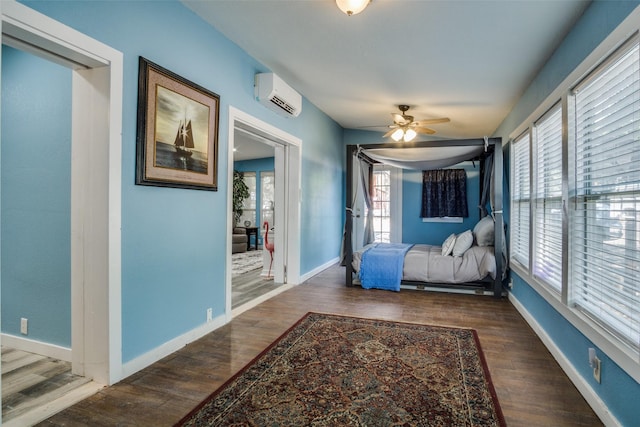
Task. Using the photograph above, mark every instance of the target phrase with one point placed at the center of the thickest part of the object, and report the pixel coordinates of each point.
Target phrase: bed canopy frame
(485, 147)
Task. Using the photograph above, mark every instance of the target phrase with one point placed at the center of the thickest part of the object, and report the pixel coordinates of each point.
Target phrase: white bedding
(425, 263)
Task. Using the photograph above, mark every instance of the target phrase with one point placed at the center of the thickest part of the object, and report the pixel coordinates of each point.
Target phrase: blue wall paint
(413, 229)
(618, 390)
(173, 270)
(36, 197)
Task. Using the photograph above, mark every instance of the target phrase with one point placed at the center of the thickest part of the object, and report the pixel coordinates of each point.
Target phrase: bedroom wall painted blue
(618, 390)
(413, 229)
(258, 166)
(173, 271)
(36, 197)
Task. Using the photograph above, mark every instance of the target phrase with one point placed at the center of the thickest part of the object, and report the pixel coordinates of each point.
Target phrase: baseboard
(592, 398)
(318, 270)
(37, 347)
(169, 347)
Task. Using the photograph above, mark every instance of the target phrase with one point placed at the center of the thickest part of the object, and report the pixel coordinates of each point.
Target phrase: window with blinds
(604, 254)
(547, 201)
(520, 200)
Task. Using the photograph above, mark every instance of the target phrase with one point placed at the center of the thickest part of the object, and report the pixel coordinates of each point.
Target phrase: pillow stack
(483, 234)
(463, 242)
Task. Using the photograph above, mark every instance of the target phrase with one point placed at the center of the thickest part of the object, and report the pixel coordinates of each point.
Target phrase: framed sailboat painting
(177, 141)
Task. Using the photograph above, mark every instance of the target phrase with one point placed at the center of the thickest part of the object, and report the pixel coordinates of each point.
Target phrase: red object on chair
(268, 246)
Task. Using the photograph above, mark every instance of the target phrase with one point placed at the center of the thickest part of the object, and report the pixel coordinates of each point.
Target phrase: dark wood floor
(531, 387)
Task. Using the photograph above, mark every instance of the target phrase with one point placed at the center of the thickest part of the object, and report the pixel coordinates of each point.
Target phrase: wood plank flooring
(531, 387)
(249, 286)
(30, 381)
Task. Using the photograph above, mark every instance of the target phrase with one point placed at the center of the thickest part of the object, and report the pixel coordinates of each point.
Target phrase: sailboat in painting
(184, 139)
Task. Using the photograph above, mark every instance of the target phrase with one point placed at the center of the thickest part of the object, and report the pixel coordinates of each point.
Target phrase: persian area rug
(244, 262)
(331, 370)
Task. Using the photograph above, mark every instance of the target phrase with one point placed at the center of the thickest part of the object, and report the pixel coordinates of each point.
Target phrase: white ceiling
(469, 60)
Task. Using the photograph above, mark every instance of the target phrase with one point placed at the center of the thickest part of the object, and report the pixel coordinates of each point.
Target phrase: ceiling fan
(404, 127)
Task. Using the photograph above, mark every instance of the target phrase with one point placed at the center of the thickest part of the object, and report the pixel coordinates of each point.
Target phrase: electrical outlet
(24, 326)
(596, 369)
(209, 314)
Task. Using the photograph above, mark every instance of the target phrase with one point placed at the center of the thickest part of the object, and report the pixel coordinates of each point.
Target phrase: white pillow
(448, 244)
(484, 231)
(463, 243)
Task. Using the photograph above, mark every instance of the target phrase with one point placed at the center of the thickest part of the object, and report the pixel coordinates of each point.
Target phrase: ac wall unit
(272, 92)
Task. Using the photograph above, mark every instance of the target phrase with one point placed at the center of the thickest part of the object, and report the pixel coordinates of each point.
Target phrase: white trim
(259, 300)
(95, 191)
(293, 159)
(37, 347)
(592, 398)
(318, 269)
(171, 346)
(445, 219)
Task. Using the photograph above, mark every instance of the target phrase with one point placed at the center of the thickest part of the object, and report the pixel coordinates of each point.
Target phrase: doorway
(247, 132)
(95, 181)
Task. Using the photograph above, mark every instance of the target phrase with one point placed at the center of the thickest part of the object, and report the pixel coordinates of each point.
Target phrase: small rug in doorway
(331, 370)
(244, 262)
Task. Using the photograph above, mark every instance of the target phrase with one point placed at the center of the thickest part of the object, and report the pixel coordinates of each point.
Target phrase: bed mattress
(425, 263)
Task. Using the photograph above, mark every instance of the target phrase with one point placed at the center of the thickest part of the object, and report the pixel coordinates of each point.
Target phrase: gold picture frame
(177, 135)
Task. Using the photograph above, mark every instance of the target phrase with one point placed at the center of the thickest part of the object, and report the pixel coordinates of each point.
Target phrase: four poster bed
(478, 262)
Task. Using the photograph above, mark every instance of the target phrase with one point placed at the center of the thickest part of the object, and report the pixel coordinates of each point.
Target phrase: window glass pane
(547, 261)
(520, 201)
(267, 197)
(248, 217)
(604, 222)
(382, 205)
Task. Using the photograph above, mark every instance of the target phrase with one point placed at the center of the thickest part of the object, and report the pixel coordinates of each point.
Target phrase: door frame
(96, 177)
(287, 189)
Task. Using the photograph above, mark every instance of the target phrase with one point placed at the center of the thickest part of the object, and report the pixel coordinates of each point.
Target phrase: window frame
(538, 199)
(621, 354)
(514, 258)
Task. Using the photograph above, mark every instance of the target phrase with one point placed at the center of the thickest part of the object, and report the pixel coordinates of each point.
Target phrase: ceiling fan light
(409, 135)
(352, 7)
(397, 135)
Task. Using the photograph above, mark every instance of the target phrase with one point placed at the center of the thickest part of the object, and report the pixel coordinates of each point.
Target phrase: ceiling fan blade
(424, 130)
(400, 119)
(433, 121)
(389, 133)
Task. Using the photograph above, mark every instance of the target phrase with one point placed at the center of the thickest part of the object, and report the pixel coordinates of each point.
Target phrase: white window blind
(520, 201)
(605, 196)
(547, 217)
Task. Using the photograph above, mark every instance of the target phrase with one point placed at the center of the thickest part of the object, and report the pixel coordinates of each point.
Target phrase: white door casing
(287, 213)
(97, 72)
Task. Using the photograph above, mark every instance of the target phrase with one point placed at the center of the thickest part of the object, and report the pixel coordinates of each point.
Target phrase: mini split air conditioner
(272, 92)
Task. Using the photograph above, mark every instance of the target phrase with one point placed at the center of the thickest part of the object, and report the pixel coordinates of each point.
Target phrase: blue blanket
(381, 266)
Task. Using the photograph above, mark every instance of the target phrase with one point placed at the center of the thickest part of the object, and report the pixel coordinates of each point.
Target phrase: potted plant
(240, 192)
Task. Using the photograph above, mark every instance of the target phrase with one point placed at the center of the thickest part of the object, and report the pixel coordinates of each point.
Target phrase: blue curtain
(444, 193)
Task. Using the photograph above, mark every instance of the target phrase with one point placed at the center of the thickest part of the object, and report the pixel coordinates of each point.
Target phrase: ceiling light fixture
(352, 7)
(406, 135)
(409, 134)
(397, 135)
